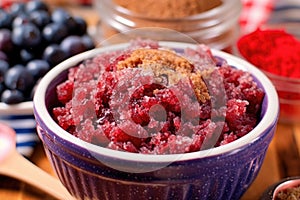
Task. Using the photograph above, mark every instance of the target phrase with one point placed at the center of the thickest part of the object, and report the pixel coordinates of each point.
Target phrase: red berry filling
(130, 108)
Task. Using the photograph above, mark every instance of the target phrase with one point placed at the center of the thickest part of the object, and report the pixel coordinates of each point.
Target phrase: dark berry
(40, 18)
(6, 44)
(34, 89)
(81, 26)
(26, 55)
(3, 56)
(5, 19)
(12, 96)
(88, 42)
(62, 16)
(54, 32)
(19, 78)
(36, 5)
(31, 36)
(17, 8)
(3, 69)
(26, 36)
(20, 20)
(72, 45)
(38, 68)
(2, 88)
(53, 54)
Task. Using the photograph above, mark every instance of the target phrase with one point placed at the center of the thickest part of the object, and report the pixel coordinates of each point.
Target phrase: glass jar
(217, 27)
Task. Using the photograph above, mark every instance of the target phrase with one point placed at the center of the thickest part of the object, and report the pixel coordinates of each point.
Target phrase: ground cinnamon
(213, 22)
(168, 8)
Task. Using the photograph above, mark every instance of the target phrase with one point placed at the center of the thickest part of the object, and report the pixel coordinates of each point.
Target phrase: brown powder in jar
(164, 9)
(168, 68)
(163, 14)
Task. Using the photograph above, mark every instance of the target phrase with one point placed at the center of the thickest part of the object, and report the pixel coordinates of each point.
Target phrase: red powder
(274, 51)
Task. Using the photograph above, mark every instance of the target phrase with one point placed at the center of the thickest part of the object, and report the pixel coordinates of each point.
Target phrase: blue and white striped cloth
(25, 127)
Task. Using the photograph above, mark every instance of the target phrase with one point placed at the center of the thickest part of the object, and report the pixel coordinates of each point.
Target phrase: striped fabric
(25, 127)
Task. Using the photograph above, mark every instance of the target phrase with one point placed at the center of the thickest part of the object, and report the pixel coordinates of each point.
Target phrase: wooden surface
(282, 158)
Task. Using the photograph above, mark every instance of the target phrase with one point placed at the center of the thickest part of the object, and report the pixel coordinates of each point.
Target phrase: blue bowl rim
(269, 120)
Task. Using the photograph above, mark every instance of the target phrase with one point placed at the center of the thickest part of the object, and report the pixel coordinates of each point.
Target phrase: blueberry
(20, 20)
(3, 69)
(26, 55)
(72, 45)
(26, 36)
(3, 56)
(12, 96)
(38, 68)
(2, 88)
(5, 19)
(17, 77)
(54, 32)
(17, 8)
(36, 5)
(40, 18)
(81, 26)
(60, 15)
(34, 39)
(53, 54)
(88, 42)
(6, 44)
(34, 89)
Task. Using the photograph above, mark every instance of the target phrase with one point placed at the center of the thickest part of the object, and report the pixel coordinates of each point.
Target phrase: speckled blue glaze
(220, 174)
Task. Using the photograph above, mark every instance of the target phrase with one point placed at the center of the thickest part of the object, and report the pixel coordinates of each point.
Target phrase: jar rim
(219, 10)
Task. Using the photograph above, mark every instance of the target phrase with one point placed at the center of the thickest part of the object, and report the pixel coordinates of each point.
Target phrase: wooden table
(282, 158)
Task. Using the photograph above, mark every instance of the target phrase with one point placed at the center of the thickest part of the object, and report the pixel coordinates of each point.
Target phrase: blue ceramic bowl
(93, 172)
(20, 117)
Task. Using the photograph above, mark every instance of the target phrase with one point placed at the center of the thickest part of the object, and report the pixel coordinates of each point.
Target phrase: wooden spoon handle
(20, 168)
